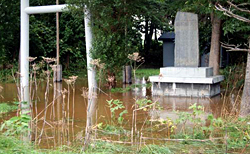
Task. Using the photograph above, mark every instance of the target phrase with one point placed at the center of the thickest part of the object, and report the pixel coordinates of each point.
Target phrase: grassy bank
(10, 145)
(146, 72)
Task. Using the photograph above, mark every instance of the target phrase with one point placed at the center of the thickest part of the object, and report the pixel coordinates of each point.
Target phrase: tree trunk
(146, 36)
(67, 60)
(214, 58)
(151, 32)
(156, 39)
(245, 100)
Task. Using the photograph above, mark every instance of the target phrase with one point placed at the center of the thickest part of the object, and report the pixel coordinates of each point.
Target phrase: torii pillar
(26, 10)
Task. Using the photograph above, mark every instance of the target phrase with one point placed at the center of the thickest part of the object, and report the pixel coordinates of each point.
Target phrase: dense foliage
(9, 30)
(42, 35)
(120, 27)
(123, 27)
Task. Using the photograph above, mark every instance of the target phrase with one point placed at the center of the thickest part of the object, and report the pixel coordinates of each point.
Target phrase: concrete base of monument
(186, 82)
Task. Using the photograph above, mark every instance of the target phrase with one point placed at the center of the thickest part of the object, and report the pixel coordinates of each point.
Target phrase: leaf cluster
(16, 125)
(6, 107)
(115, 105)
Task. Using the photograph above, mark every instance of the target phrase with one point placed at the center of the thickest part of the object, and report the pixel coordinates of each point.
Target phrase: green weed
(11, 145)
(129, 88)
(140, 73)
(155, 149)
(6, 107)
(115, 105)
(16, 125)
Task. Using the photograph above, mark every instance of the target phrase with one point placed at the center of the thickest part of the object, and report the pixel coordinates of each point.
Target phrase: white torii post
(88, 38)
(24, 51)
(24, 43)
(26, 10)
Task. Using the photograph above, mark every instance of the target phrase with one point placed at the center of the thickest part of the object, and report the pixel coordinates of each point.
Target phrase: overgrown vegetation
(17, 125)
(234, 77)
(193, 129)
(7, 107)
(189, 133)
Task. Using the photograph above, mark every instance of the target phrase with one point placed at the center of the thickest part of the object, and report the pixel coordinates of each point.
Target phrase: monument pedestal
(186, 82)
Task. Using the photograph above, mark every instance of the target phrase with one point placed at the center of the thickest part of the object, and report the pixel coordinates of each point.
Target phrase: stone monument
(186, 78)
(186, 40)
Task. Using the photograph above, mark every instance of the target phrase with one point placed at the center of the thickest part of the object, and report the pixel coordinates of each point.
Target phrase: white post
(91, 78)
(24, 42)
(24, 51)
(88, 37)
(57, 35)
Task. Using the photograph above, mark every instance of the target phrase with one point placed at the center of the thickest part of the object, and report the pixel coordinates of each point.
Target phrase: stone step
(192, 72)
(208, 80)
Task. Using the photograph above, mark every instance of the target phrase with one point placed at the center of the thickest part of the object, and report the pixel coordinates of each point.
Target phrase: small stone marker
(186, 40)
(57, 73)
(127, 74)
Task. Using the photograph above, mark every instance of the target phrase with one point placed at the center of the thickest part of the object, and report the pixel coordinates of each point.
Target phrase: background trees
(9, 28)
(42, 34)
(120, 27)
(123, 27)
(239, 10)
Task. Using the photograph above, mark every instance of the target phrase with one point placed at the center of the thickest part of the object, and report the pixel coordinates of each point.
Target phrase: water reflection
(140, 88)
(66, 110)
(173, 104)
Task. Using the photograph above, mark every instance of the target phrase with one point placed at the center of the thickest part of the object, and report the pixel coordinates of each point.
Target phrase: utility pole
(57, 35)
(58, 68)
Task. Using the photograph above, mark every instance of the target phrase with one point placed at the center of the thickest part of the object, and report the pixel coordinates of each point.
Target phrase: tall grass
(126, 133)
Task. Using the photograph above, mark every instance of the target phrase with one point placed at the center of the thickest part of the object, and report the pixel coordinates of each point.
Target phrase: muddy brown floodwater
(54, 130)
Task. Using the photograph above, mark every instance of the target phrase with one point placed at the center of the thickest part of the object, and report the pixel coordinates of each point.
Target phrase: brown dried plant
(31, 59)
(49, 60)
(68, 81)
(35, 67)
(53, 67)
(111, 81)
(135, 57)
(47, 72)
(85, 93)
(73, 78)
(1, 89)
(97, 63)
(64, 91)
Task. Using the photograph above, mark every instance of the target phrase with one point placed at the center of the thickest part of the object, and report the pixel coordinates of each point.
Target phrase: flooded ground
(53, 130)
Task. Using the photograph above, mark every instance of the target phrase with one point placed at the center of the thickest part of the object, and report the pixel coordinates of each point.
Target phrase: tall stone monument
(186, 40)
(186, 78)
